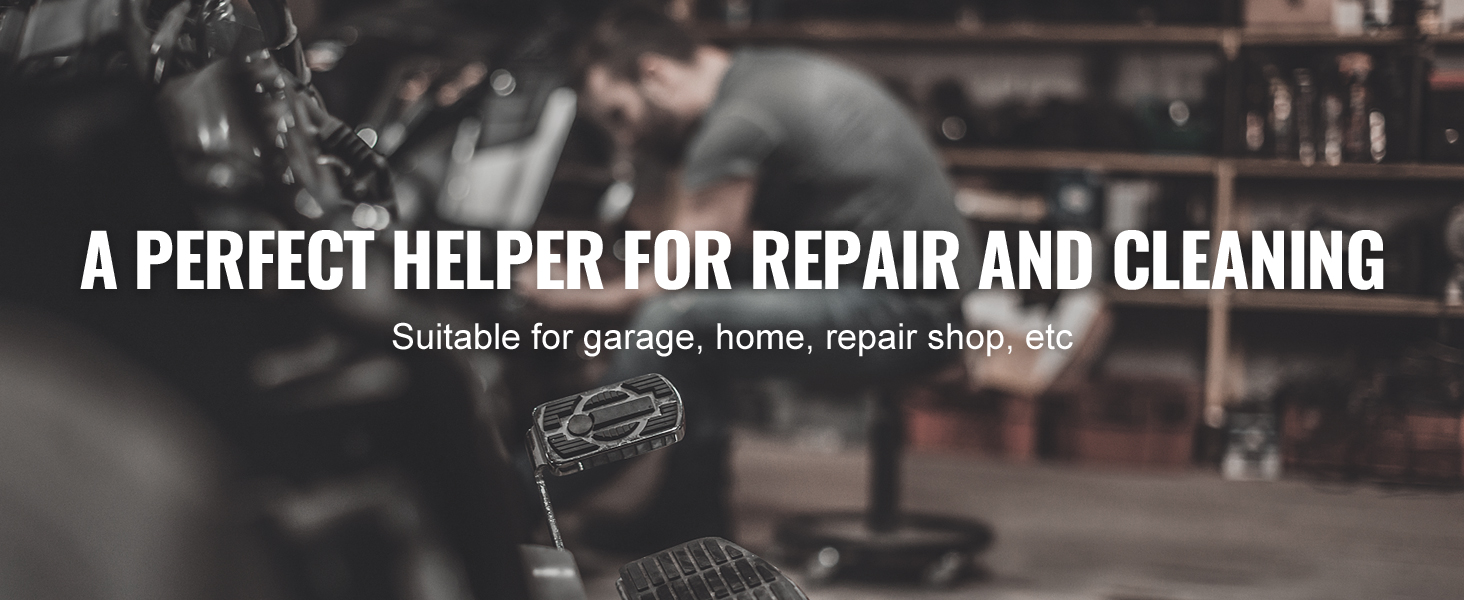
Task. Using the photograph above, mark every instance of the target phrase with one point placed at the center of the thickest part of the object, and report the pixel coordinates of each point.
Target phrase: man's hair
(625, 33)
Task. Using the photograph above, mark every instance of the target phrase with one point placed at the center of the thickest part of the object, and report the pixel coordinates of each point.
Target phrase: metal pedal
(601, 426)
(706, 569)
(605, 425)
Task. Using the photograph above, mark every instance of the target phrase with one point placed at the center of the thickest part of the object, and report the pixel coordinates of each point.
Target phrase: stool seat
(883, 542)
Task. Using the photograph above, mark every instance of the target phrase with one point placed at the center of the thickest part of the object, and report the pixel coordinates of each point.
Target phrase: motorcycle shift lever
(601, 426)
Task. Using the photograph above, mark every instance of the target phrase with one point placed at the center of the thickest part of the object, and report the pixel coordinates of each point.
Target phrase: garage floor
(1072, 533)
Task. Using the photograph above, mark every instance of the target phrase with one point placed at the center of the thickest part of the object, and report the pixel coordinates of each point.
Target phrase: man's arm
(725, 206)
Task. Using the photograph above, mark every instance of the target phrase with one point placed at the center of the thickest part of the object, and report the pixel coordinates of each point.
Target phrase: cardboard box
(1144, 448)
(987, 425)
(1134, 422)
(1415, 446)
(1313, 443)
(948, 429)
(1290, 15)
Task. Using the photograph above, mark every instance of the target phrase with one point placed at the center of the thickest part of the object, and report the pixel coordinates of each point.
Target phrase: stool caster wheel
(934, 550)
(823, 566)
(946, 570)
(883, 542)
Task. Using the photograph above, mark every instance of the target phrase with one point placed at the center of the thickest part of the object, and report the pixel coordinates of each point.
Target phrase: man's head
(647, 80)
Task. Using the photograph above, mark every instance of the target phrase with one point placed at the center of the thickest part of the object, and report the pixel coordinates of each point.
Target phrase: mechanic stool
(883, 541)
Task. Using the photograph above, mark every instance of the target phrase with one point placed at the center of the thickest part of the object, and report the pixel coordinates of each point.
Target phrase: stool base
(935, 550)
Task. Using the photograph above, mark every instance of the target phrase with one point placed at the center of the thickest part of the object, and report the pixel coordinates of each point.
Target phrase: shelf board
(884, 32)
(1316, 302)
(1452, 38)
(1038, 160)
(1179, 164)
(1385, 37)
(1343, 303)
(1285, 169)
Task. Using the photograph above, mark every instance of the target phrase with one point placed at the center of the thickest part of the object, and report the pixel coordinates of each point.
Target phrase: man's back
(831, 150)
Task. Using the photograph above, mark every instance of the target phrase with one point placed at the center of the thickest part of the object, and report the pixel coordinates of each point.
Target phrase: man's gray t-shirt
(831, 150)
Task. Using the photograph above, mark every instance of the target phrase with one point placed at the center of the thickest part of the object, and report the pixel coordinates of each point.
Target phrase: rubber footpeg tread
(655, 385)
(705, 569)
(665, 421)
(605, 397)
(714, 550)
(570, 447)
(605, 425)
(556, 411)
(614, 433)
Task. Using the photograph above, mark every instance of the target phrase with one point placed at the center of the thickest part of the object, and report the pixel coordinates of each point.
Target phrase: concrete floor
(1071, 533)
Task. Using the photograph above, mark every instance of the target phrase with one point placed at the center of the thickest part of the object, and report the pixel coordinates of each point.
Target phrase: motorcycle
(171, 444)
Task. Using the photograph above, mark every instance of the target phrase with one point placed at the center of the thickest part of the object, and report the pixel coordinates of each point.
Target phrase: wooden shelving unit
(1352, 303)
(1385, 37)
(1224, 171)
(848, 32)
(880, 32)
(1198, 165)
(1452, 38)
(1282, 169)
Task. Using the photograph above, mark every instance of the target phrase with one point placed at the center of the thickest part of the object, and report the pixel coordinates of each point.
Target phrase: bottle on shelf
(1443, 132)
(952, 120)
(1282, 123)
(1331, 112)
(1257, 107)
(1365, 137)
(1393, 97)
(1378, 14)
(1306, 129)
(1429, 19)
(1332, 127)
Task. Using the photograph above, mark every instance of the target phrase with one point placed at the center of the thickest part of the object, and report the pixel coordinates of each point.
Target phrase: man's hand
(725, 206)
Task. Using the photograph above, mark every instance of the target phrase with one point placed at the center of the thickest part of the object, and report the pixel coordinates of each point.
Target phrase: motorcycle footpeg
(605, 425)
(706, 569)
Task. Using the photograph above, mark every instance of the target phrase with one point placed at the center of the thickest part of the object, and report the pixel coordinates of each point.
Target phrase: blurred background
(1191, 445)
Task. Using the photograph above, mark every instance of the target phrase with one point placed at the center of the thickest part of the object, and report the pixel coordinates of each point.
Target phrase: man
(773, 140)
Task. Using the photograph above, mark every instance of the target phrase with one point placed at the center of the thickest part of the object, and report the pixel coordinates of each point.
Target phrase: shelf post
(1217, 346)
(1231, 101)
